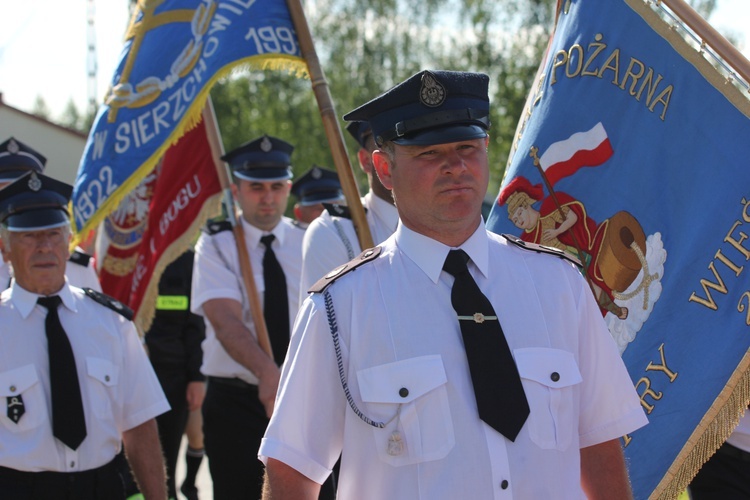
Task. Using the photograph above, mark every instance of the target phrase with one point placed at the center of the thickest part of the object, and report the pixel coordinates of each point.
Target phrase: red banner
(157, 222)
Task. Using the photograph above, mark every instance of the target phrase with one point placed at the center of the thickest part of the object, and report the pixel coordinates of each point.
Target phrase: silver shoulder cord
(337, 347)
(344, 239)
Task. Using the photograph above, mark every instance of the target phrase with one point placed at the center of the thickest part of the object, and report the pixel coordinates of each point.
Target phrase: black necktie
(276, 302)
(497, 385)
(68, 420)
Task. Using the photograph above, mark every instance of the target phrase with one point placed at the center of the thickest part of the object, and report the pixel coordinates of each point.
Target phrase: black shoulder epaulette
(214, 227)
(80, 258)
(541, 248)
(363, 258)
(338, 210)
(110, 302)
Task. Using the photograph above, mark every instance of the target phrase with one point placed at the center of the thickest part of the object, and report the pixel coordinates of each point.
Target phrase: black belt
(231, 382)
(103, 483)
(734, 452)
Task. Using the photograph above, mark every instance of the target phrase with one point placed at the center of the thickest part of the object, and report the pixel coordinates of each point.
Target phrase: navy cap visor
(36, 220)
(443, 135)
(264, 174)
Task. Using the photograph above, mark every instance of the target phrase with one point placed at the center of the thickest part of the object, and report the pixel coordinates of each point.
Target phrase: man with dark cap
(454, 363)
(17, 159)
(75, 381)
(241, 378)
(331, 239)
(314, 188)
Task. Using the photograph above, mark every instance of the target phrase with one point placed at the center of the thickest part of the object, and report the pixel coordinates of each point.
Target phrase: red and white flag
(583, 149)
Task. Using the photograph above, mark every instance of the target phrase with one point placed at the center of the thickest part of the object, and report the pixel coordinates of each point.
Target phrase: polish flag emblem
(583, 149)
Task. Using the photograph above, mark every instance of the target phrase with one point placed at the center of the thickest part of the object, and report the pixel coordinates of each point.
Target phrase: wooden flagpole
(217, 150)
(711, 37)
(330, 123)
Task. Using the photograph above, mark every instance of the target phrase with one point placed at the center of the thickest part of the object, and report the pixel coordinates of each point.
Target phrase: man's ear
(382, 164)
(365, 160)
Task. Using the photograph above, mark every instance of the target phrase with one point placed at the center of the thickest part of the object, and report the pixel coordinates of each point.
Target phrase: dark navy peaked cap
(318, 185)
(431, 107)
(360, 131)
(264, 159)
(16, 158)
(34, 202)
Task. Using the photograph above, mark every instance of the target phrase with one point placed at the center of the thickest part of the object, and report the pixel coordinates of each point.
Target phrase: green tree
(367, 48)
(40, 108)
(71, 117)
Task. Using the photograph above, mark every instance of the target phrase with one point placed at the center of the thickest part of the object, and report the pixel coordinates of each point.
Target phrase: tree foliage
(366, 48)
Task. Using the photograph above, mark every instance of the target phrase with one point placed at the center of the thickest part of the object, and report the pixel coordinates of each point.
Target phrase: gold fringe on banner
(727, 409)
(144, 316)
(715, 427)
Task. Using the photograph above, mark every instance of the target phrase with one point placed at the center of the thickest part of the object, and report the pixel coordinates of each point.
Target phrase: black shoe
(190, 491)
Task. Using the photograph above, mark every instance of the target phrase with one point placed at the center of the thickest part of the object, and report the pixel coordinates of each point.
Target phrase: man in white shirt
(241, 378)
(16, 159)
(314, 188)
(384, 367)
(75, 381)
(331, 239)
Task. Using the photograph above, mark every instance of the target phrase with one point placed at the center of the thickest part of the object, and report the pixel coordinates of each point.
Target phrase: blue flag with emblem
(632, 155)
(175, 50)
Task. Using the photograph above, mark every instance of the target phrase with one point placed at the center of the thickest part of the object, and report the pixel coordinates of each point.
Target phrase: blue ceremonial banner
(632, 154)
(175, 50)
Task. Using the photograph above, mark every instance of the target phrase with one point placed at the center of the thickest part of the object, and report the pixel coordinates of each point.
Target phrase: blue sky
(43, 47)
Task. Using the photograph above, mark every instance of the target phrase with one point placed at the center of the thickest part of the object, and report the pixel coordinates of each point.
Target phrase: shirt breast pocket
(548, 377)
(411, 398)
(20, 389)
(103, 376)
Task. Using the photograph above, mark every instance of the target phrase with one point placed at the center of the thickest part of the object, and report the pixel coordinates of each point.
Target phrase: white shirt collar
(25, 301)
(254, 234)
(430, 254)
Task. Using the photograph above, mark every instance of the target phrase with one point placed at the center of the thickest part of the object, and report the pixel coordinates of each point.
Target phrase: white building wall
(61, 146)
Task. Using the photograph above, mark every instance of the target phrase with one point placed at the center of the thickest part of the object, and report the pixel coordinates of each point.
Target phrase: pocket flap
(550, 367)
(402, 381)
(17, 381)
(102, 370)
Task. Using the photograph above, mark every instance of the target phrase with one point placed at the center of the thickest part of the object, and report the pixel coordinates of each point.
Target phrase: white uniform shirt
(217, 275)
(118, 386)
(76, 274)
(331, 241)
(398, 331)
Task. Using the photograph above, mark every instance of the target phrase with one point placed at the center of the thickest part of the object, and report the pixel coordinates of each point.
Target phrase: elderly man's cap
(360, 131)
(264, 159)
(431, 107)
(16, 158)
(34, 202)
(318, 185)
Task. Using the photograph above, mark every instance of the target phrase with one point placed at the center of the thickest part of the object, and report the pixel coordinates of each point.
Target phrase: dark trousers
(172, 423)
(726, 476)
(103, 483)
(234, 421)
